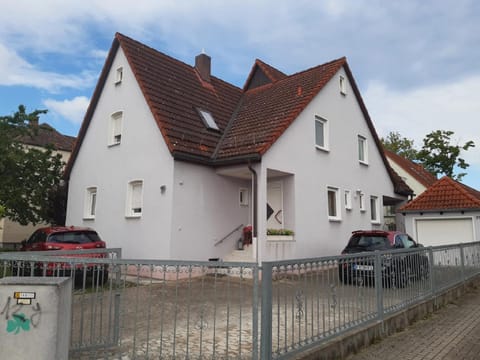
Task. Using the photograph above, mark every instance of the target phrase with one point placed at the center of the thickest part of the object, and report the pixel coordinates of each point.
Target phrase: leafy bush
(280, 232)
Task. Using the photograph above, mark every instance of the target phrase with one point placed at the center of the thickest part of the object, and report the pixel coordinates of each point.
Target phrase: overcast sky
(417, 63)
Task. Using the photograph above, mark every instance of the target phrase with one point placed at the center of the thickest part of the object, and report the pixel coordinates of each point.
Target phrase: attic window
(343, 86)
(208, 119)
(119, 75)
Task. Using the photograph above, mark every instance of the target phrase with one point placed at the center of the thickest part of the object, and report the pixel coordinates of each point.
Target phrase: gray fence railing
(143, 309)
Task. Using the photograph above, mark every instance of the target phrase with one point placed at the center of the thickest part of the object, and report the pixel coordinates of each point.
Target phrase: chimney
(202, 65)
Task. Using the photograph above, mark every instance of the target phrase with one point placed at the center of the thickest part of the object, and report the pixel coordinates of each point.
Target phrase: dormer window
(119, 75)
(208, 120)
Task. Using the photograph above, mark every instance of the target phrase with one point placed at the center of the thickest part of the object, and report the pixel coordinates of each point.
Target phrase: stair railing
(226, 236)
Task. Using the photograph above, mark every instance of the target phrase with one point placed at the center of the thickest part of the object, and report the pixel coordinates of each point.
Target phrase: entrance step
(245, 255)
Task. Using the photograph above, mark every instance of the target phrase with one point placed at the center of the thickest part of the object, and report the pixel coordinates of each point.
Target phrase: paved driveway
(452, 333)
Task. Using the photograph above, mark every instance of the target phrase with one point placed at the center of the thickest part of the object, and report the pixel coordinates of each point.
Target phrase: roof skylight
(208, 119)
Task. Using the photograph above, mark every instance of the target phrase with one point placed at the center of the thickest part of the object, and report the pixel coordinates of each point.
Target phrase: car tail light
(101, 245)
(53, 247)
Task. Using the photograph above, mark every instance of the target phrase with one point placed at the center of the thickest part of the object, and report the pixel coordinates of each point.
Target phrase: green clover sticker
(17, 323)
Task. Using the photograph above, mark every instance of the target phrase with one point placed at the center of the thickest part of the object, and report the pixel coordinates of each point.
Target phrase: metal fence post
(462, 262)
(266, 311)
(255, 313)
(430, 271)
(379, 286)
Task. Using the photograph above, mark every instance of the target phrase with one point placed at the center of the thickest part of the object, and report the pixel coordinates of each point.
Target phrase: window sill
(324, 149)
(133, 216)
(334, 219)
(280, 238)
(113, 144)
(376, 222)
(89, 218)
(364, 163)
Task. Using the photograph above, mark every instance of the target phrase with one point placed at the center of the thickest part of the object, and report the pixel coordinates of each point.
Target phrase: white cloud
(73, 110)
(14, 70)
(417, 112)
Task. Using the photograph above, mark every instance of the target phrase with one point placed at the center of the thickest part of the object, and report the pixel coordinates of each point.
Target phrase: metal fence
(141, 309)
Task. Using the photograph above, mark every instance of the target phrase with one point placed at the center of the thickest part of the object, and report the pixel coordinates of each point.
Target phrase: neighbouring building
(172, 162)
(12, 233)
(415, 176)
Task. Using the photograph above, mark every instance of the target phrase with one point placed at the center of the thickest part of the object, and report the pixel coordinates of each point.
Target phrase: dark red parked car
(69, 238)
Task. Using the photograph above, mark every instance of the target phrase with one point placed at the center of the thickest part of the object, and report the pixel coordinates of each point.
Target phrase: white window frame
(361, 201)
(90, 203)
(337, 216)
(134, 208)
(362, 149)
(347, 197)
(119, 75)
(324, 122)
(243, 196)
(343, 85)
(115, 128)
(374, 210)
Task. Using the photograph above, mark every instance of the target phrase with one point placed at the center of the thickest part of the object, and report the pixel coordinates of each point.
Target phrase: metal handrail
(230, 233)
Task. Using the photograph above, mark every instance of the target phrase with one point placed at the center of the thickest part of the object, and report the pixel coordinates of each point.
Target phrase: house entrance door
(274, 205)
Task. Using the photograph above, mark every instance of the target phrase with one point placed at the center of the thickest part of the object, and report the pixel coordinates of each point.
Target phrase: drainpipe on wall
(254, 212)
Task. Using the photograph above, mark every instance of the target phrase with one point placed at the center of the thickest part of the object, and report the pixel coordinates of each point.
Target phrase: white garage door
(432, 232)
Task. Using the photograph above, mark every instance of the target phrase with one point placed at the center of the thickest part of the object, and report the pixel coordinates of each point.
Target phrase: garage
(448, 212)
(443, 231)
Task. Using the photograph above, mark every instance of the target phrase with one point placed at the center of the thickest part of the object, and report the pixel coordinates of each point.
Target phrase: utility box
(35, 317)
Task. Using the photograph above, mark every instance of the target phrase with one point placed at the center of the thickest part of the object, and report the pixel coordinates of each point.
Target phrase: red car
(64, 238)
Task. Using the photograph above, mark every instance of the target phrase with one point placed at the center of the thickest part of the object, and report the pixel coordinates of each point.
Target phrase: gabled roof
(445, 195)
(45, 135)
(262, 74)
(249, 120)
(417, 171)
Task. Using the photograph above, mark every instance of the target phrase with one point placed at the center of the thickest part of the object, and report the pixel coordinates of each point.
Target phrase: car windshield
(74, 237)
(374, 242)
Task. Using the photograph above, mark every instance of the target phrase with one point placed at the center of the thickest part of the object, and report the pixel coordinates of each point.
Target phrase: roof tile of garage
(445, 195)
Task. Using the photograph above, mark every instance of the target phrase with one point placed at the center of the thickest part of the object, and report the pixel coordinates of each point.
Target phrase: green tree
(439, 156)
(400, 145)
(27, 175)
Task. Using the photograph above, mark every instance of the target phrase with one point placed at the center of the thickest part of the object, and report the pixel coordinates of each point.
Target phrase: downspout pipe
(255, 196)
(255, 212)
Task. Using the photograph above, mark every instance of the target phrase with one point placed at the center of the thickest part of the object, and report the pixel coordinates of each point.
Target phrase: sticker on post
(24, 298)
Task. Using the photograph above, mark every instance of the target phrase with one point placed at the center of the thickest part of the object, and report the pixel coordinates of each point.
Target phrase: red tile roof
(444, 195)
(47, 135)
(250, 120)
(417, 171)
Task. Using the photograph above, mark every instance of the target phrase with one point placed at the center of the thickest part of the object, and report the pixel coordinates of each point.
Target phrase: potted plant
(280, 235)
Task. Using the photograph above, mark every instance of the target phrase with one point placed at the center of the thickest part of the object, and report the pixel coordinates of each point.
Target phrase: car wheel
(403, 277)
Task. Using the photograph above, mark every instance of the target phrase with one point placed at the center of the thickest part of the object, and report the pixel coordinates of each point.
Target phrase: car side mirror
(24, 242)
(419, 245)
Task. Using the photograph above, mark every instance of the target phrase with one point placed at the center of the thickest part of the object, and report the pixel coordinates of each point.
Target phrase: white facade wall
(205, 209)
(315, 170)
(141, 155)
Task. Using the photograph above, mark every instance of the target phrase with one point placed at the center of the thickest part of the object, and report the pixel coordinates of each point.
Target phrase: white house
(172, 162)
(447, 212)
